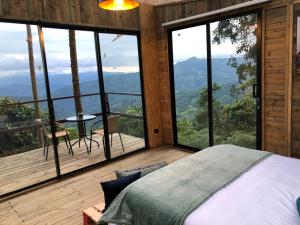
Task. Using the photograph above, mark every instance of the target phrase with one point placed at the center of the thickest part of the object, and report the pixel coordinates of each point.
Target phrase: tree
(32, 72)
(75, 79)
(33, 79)
(241, 31)
(132, 126)
(74, 68)
(201, 118)
(13, 116)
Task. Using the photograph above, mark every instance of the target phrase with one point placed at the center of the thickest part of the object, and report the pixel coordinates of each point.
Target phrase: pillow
(298, 205)
(112, 188)
(144, 170)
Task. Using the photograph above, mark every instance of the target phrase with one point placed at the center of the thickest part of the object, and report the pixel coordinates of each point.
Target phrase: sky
(191, 42)
(119, 53)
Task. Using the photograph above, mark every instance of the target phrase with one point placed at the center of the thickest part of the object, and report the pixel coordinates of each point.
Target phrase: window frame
(96, 31)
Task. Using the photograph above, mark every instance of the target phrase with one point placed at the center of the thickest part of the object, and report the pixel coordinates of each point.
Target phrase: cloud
(120, 54)
(191, 42)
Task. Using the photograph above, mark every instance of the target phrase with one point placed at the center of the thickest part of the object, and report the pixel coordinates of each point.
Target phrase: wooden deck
(28, 168)
(63, 202)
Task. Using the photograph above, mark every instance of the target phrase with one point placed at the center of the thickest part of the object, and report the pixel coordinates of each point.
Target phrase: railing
(34, 124)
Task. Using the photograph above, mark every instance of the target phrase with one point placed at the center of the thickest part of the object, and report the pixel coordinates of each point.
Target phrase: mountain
(190, 78)
(192, 73)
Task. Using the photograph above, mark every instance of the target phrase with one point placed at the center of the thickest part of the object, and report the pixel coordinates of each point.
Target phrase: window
(216, 83)
(41, 94)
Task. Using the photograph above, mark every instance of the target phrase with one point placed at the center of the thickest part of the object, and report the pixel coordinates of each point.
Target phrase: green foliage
(241, 31)
(190, 136)
(132, 126)
(235, 120)
(245, 139)
(73, 133)
(13, 117)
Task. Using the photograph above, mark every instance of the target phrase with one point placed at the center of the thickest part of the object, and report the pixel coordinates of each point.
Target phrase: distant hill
(190, 77)
(192, 73)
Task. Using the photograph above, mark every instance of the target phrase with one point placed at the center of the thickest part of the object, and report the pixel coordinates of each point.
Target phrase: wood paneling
(275, 80)
(63, 202)
(75, 12)
(150, 74)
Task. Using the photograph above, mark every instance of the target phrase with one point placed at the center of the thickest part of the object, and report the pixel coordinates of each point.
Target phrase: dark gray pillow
(144, 170)
(113, 188)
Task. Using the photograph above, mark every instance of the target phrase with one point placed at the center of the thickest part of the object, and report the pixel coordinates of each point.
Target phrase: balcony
(24, 169)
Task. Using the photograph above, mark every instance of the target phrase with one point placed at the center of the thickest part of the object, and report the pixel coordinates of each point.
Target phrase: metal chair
(113, 122)
(61, 132)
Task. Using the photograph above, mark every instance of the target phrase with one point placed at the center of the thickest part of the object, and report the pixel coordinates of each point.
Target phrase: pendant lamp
(118, 4)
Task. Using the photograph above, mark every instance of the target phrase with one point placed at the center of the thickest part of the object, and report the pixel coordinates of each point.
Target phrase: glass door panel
(23, 110)
(76, 97)
(234, 80)
(216, 99)
(123, 94)
(190, 86)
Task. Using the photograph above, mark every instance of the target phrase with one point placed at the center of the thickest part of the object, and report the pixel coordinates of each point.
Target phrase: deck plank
(24, 169)
(63, 202)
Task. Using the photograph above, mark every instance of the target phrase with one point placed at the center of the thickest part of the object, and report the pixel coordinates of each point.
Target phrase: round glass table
(80, 118)
(81, 124)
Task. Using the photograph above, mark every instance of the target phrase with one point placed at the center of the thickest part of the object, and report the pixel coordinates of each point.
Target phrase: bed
(221, 185)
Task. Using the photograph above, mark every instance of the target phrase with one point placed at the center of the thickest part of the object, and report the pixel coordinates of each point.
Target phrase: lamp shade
(118, 4)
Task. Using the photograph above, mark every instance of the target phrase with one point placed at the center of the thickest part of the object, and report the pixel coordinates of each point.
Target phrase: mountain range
(190, 77)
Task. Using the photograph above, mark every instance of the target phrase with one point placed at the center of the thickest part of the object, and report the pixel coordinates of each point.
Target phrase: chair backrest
(45, 125)
(113, 122)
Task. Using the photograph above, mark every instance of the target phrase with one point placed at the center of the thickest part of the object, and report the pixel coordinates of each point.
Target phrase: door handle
(254, 90)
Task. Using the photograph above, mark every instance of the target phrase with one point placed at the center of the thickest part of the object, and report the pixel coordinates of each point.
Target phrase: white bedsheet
(265, 195)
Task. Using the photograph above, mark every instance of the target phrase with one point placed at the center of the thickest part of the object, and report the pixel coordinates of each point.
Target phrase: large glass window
(234, 78)
(190, 85)
(67, 77)
(216, 99)
(73, 75)
(23, 107)
(120, 65)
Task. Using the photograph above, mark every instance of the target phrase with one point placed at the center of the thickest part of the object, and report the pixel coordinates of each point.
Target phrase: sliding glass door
(190, 86)
(215, 83)
(123, 92)
(73, 93)
(70, 99)
(234, 78)
(23, 105)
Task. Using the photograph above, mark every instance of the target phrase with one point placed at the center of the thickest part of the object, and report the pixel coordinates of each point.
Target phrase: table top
(80, 118)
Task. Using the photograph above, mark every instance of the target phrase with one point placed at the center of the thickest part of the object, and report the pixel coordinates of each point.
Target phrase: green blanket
(167, 196)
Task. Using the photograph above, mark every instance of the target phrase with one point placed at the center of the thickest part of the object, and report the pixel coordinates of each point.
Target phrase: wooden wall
(150, 72)
(276, 124)
(75, 12)
(276, 67)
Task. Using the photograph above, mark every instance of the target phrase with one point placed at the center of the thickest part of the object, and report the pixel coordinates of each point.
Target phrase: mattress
(265, 195)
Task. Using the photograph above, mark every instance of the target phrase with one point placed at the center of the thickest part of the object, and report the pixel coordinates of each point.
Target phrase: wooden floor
(21, 170)
(63, 202)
